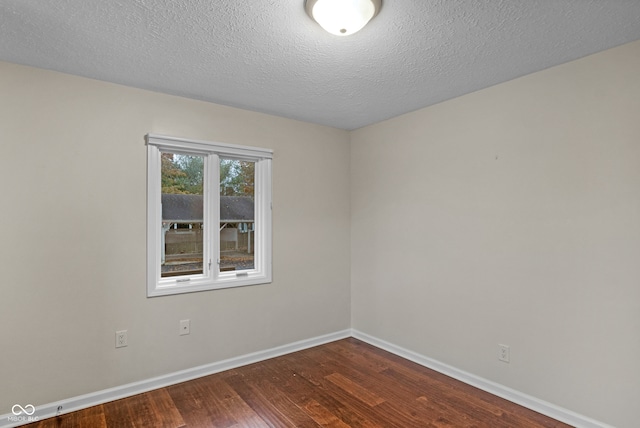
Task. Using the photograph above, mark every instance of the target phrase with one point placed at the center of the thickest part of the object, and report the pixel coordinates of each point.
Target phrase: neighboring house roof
(188, 208)
(236, 209)
(181, 208)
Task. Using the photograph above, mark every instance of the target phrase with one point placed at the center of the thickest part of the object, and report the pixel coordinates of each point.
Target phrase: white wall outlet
(121, 339)
(185, 327)
(503, 353)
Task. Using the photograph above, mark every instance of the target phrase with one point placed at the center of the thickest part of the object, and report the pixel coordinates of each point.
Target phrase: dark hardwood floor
(347, 383)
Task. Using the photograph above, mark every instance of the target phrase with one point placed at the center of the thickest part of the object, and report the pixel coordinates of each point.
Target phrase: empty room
(304, 213)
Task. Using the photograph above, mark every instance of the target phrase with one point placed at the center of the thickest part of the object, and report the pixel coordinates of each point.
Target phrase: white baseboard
(535, 404)
(123, 391)
(116, 393)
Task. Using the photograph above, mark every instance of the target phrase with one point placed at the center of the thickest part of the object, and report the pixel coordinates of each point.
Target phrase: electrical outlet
(121, 338)
(503, 353)
(185, 327)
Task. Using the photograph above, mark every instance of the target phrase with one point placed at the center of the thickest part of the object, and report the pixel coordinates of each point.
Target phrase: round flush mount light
(342, 17)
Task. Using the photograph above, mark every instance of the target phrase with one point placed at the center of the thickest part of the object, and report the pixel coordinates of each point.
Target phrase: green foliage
(184, 174)
(237, 178)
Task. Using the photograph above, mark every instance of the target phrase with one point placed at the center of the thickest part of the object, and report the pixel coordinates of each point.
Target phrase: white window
(208, 215)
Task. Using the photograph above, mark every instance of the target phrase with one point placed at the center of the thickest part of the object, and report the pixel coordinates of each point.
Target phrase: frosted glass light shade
(342, 17)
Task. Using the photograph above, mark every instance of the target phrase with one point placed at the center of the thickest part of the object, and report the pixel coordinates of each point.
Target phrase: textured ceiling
(268, 56)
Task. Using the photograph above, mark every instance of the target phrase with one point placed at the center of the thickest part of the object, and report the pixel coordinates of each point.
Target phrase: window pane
(237, 207)
(182, 214)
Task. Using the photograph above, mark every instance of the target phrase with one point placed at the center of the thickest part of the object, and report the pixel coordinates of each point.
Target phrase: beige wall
(511, 215)
(73, 216)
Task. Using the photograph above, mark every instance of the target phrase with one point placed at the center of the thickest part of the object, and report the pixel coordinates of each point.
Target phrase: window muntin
(229, 186)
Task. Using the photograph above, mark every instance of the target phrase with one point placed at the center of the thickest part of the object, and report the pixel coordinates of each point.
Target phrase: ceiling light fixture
(342, 17)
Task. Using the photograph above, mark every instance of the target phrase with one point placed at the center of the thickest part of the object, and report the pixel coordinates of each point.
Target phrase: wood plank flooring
(347, 383)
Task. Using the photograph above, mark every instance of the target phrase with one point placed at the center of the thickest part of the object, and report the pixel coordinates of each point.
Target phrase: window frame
(211, 277)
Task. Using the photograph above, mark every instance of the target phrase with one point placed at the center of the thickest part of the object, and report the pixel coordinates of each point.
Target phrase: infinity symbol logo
(17, 409)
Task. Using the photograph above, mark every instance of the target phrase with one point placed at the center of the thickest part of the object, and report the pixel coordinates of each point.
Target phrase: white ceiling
(268, 56)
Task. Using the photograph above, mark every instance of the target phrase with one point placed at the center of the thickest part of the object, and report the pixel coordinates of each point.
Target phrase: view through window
(182, 214)
(237, 219)
(182, 179)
